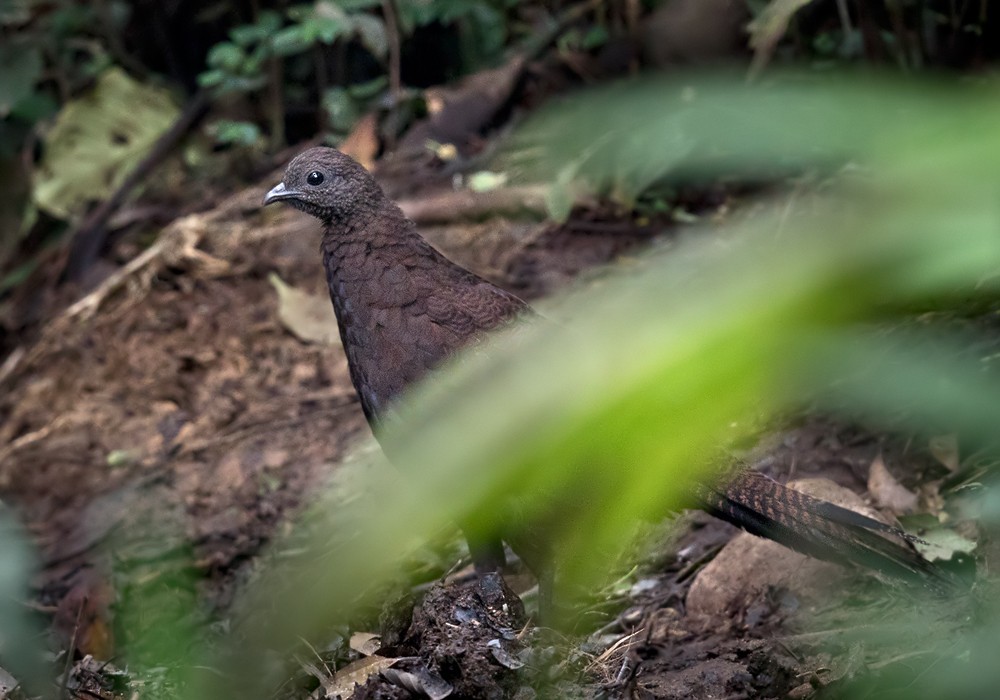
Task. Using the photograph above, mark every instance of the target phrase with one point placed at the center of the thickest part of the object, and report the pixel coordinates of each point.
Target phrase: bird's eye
(315, 178)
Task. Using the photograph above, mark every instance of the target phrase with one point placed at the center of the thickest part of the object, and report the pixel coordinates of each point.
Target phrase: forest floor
(175, 429)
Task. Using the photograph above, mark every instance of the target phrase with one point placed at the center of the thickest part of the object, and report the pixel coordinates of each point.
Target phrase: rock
(748, 567)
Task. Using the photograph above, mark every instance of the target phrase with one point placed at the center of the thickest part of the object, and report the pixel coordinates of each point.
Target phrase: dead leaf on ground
(309, 318)
(887, 492)
(423, 683)
(355, 673)
(7, 683)
(943, 543)
(365, 643)
(83, 616)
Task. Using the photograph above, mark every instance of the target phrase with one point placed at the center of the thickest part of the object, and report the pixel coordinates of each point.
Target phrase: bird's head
(327, 184)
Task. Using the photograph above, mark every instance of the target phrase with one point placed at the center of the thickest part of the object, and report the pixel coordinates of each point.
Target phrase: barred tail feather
(821, 529)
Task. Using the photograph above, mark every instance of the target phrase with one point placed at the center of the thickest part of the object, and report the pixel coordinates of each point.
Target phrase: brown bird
(403, 308)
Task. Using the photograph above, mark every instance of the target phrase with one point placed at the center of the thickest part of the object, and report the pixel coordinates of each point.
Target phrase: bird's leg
(487, 553)
(546, 597)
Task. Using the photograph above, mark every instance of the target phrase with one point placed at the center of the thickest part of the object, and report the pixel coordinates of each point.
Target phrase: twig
(395, 78)
(265, 425)
(72, 646)
(180, 243)
(845, 18)
(625, 641)
(322, 117)
(11, 363)
(698, 563)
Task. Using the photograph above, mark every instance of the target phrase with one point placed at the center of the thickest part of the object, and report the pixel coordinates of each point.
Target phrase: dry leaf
(362, 143)
(887, 492)
(420, 683)
(942, 544)
(7, 683)
(355, 673)
(310, 319)
(768, 27)
(504, 657)
(365, 643)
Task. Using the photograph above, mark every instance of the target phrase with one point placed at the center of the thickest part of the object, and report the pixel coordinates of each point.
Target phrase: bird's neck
(372, 239)
(370, 262)
(375, 267)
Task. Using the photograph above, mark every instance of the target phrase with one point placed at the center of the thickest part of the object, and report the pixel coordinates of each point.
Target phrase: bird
(403, 308)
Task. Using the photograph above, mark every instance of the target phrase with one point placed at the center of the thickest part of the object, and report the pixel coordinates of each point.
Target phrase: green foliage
(569, 432)
(52, 32)
(483, 24)
(20, 69)
(48, 51)
(344, 106)
(580, 40)
(909, 34)
(240, 65)
(229, 132)
(20, 651)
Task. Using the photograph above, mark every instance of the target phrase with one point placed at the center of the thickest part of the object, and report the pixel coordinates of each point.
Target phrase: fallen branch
(175, 245)
(464, 205)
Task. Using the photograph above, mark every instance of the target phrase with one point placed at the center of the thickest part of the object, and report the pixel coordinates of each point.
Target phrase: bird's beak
(280, 192)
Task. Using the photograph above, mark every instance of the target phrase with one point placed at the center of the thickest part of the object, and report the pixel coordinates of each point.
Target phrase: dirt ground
(176, 430)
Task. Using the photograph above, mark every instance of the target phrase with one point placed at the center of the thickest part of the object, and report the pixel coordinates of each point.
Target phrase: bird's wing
(471, 311)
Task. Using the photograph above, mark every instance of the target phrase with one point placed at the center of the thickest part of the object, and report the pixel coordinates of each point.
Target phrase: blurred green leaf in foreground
(571, 431)
(20, 634)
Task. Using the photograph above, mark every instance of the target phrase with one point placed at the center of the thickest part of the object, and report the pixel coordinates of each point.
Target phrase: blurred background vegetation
(87, 87)
(864, 284)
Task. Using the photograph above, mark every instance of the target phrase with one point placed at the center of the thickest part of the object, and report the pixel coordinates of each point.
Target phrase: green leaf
(341, 110)
(226, 56)
(247, 34)
(35, 107)
(266, 25)
(328, 21)
(368, 89)
(291, 40)
(20, 635)
(595, 37)
(353, 6)
(20, 69)
(485, 33)
(97, 140)
(371, 31)
(211, 78)
(240, 84)
(575, 429)
(236, 133)
(270, 21)
(327, 29)
(254, 63)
